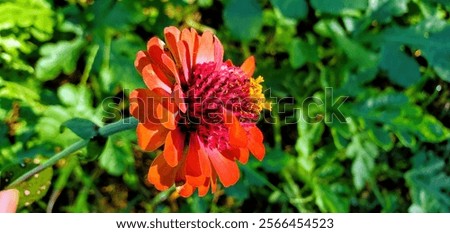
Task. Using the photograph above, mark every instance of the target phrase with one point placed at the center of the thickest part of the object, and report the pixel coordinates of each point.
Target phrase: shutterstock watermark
(152, 108)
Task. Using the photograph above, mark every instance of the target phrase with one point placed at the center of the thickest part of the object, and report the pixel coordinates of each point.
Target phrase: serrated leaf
(34, 15)
(60, 57)
(295, 9)
(429, 184)
(363, 154)
(83, 128)
(243, 18)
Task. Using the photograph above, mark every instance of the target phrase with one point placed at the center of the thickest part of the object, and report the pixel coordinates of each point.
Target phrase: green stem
(69, 150)
(118, 126)
(107, 130)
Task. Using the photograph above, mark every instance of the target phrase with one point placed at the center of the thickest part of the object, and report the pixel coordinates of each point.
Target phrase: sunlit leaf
(243, 18)
(60, 57)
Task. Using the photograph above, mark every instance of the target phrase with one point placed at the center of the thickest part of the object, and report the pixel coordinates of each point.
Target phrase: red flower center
(212, 92)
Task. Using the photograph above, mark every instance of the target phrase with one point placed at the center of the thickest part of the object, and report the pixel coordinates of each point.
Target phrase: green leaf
(432, 130)
(337, 7)
(243, 19)
(32, 189)
(430, 36)
(123, 53)
(295, 9)
(301, 52)
(401, 69)
(35, 16)
(363, 154)
(406, 138)
(275, 160)
(59, 57)
(330, 201)
(429, 184)
(83, 128)
(383, 10)
(240, 191)
(114, 158)
(118, 14)
(381, 137)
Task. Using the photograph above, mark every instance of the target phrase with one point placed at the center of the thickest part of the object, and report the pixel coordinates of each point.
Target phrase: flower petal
(226, 169)
(141, 61)
(218, 52)
(240, 154)
(166, 113)
(172, 36)
(249, 66)
(170, 66)
(186, 190)
(205, 48)
(179, 98)
(238, 135)
(160, 174)
(197, 167)
(191, 39)
(151, 136)
(184, 62)
(142, 105)
(203, 189)
(174, 146)
(157, 82)
(255, 143)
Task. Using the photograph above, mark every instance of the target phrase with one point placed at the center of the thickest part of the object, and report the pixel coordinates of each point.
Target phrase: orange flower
(203, 111)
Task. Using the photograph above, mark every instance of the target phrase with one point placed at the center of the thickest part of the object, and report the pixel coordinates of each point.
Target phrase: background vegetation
(391, 58)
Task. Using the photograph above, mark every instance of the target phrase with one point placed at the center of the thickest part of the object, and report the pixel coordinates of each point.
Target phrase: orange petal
(213, 181)
(170, 68)
(155, 42)
(142, 105)
(160, 174)
(238, 135)
(205, 48)
(249, 66)
(166, 113)
(186, 190)
(172, 36)
(179, 97)
(158, 83)
(197, 164)
(255, 143)
(174, 146)
(218, 52)
(151, 136)
(203, 189)
(226, 169)
(190, 39)
(240, 154)
(184, 62)
(141, 61)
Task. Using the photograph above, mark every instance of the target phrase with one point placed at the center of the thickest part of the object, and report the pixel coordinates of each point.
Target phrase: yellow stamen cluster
(256, 92)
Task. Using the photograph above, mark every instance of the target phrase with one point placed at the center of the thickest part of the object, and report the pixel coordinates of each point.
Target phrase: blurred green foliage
(360, 121)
